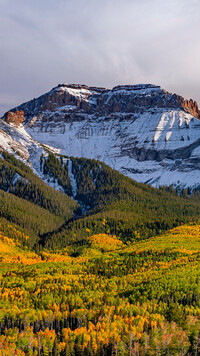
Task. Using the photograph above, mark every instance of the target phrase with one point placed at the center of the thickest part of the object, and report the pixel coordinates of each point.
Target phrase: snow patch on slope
(136, 144)
(15, 179)
(112, 139)
(72, 179)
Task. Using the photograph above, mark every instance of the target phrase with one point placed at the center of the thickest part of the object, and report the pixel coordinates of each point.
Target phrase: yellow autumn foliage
(105, 242)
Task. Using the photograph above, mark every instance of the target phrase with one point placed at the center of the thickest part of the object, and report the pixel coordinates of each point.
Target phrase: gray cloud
(107, 42)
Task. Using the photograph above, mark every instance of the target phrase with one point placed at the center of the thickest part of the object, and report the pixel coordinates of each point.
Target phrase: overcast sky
(98, 42)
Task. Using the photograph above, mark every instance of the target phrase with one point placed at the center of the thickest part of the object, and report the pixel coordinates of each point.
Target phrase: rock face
(141, 130)
(100, 101)
(15, 118)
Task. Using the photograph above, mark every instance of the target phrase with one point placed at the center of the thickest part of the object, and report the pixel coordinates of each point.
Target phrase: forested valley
(105, 266)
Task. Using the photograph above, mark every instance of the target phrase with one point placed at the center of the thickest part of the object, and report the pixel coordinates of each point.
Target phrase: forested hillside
(115, 204)
(18, 179)
(139, 298)
(104, 201)
(30, 203)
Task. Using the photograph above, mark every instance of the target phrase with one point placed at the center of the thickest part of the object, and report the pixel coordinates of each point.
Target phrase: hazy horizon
(107, 43)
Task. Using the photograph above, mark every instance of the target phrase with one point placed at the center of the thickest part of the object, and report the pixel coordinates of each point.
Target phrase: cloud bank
(105, 43)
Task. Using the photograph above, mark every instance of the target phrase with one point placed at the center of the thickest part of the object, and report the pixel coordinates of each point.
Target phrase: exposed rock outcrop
(15, 117)
(141, 130)
(100, 101)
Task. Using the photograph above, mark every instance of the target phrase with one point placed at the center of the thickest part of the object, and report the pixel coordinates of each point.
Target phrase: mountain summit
(141, 130)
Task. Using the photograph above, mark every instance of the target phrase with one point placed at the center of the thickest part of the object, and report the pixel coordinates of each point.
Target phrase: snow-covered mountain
(141, 130)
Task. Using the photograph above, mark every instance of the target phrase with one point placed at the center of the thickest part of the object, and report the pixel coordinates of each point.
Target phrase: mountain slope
(114, 203)
(111, 202)
(18, 179)
(142, 130)
(30, 203)
(12, 248)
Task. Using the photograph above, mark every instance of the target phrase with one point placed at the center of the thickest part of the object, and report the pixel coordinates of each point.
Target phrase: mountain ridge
(140, 130)
(58, 96)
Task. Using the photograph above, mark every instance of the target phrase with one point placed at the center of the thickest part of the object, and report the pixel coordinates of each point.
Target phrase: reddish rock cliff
(15, 118)
(128, 99)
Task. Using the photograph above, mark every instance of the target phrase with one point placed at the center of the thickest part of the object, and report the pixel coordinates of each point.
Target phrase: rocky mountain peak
(128, 99)
(142, 130)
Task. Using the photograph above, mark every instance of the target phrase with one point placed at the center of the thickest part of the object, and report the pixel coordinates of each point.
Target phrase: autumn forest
(112, 269)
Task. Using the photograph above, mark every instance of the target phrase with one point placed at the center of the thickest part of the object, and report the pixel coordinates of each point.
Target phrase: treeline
(188, 192)
(96, 183)
(30, 203)
(56, 169)
(18, 179)
(132, 210)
